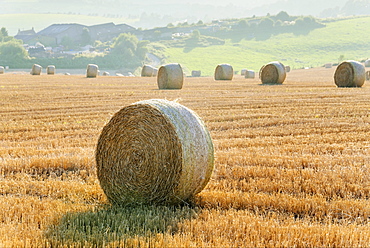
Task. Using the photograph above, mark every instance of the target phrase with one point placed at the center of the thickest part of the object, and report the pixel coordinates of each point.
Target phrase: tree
(3, 32)
(85, 37)
(282, 16)
(12, 51)
(266, 24)
(243, 24)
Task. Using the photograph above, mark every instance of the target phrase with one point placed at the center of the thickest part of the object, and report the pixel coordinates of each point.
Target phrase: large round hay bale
(224, 72)
(196, 73)
(36, 69)
(154, 152)
(367, 63)
(148, 71)
(2, 70)
(92, 70)
(349, 73)
(273, 73)
(50, 70)
(249, 74)
(170, 76)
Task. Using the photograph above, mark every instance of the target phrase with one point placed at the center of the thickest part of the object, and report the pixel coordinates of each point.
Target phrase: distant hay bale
(170, 76)
(154, 152)
(242, 72)
(92, 70)
(249, 74)
(196, 73)
(273, 73)
(2, 70)
(368, 75)
(367, 63)
(50, 70)
(328, 65)
(106, 73)
(287, 68)
(224, 72)
(67, 73)
(155, 72)
(350, 73)
(148, 71)
(36, 69)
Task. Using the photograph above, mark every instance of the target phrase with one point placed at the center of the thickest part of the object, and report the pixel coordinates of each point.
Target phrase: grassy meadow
(292, 164)
(346, 38)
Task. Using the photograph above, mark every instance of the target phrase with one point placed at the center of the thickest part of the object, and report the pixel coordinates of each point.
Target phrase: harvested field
(292, 164)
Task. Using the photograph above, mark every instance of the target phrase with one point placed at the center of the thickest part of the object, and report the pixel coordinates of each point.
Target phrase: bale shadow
(117, 224)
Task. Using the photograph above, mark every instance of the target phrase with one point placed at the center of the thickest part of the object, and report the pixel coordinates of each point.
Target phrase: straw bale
(170, 76)
(242, 72)
(106, 73)
(92, 70)
(367, 63)
(196, 73)
(328, 65)
(148, 71)
(273, 73)
(224, 72)
(368, 75)
(154, 152)
(349, 73)
(249, 74)
(36, 69)
(2, 70)
(287, 68)
(50, 70)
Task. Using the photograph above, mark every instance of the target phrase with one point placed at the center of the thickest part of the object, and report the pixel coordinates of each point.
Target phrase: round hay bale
(106, 73)
(249, 74)
(154, 152)
(349, 73)
(92, 70)
(36, 69)
(196, 73)
(287, 68)
(155, 72)
(224, 72)
(273, 73)
(242, 72)
(368, 75)
(67, 73)
(50, 70)
(148, 71)
(170, 76)
(367, 63)
(2, 70)
(328, 65)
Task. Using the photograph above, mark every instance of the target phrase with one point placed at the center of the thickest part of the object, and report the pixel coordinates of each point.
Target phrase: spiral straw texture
(350, 73)
(273, 73)
(154, 152)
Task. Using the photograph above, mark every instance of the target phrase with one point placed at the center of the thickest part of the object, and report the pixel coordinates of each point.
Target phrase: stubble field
(292, 164)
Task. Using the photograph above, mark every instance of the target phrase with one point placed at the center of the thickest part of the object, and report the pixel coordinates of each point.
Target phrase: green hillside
(342, 38)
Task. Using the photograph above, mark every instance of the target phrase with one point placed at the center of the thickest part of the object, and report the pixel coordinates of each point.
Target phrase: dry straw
(273, 73)
(224, 72)
(154, 152)
(170, 76)
(249, 74)
(196, 73)
(36, 69)
(149, 71)
(92, 70)
(50, 70)
(2, 70)
(349, 73)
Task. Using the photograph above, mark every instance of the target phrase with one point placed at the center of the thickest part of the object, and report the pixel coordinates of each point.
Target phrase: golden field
(292, 164)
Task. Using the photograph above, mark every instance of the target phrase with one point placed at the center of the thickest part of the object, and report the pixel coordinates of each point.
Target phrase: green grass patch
(343, 37)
